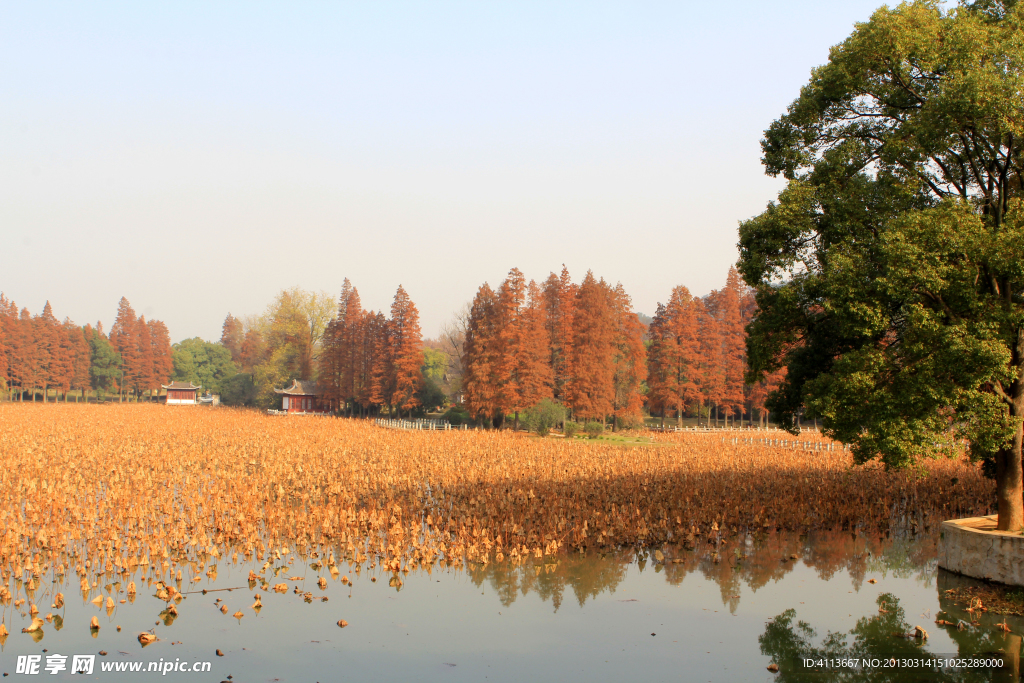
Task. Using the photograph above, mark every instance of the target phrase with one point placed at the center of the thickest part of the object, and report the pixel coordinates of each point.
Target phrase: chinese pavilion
(303, 396)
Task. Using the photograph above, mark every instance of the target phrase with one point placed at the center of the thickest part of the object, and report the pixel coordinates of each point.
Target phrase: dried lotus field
(111, 489)
(128, 511)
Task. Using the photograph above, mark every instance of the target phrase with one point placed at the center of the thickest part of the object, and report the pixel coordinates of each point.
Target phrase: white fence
(794, 444)
(703, 429)
(422, 423)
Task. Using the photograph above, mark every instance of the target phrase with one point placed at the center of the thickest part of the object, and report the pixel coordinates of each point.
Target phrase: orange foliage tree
(39, 354)
(590, 392)
(521, 374)
(369, 362)
(479, 386)
(5, 332)
(582, 345)
(534, 375)
(407, 352)
(232, 336)
(630, 361)
(146, 354)
(675, 370)
(725, 307)
(124, 338)
(559, 301)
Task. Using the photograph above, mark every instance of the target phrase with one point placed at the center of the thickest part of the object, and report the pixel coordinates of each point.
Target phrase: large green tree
(890, 273)
(204, 363)
(104, 363)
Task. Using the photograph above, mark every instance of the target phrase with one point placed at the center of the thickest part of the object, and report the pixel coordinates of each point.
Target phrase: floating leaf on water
(35, 625)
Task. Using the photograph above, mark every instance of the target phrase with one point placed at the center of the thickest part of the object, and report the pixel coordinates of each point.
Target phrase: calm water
(613, 617)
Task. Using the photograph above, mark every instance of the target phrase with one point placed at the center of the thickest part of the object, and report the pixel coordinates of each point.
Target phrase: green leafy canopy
(890, 272)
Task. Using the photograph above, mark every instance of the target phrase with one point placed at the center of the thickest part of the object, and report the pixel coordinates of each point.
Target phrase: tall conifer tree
(478, 349)
(144, 379)
(381, 366)
(47, 342)
(559, 309)
(162, 353)
(630, 361)
(124, 337)
(231, 336)
(407, 343)
(590, 389)
(713, 374)
(533, 367)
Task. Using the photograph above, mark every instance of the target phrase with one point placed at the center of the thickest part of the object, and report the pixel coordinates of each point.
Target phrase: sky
(197, 158)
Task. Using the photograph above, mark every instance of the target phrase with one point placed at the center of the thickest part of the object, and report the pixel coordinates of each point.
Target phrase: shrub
(238, 390)
(543, 416)
(456, 415)
(430, 396)
(630, 422)
(570, 428)
(593, 429)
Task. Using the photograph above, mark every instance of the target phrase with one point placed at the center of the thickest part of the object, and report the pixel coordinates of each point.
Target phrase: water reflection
(587, 576)
(745, 561)
(675, 591)
(882, 636)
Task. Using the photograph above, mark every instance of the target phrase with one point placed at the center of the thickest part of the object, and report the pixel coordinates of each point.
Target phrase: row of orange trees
(42, 353)
(369, 360)
(579, 344)
(697, 355)
(582, 345)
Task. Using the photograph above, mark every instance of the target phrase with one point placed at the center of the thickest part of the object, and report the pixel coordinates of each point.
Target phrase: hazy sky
(199, 157)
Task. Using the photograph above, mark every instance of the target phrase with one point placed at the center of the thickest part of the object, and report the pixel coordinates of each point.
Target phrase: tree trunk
(1010, 486)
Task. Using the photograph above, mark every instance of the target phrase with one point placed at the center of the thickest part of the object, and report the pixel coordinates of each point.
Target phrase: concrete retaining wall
(974, 548)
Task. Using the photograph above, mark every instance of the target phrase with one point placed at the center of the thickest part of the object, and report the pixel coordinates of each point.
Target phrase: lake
(716, 613)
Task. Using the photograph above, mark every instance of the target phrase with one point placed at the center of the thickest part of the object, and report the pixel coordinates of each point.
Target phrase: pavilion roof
(301, 387)
(182, 386)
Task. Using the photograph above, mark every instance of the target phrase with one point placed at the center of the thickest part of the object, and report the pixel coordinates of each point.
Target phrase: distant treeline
(578, 345)
(365, 362)
(40, 354)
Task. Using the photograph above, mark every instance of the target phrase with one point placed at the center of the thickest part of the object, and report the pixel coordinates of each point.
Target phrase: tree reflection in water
(732, 563)
(885, 635)
(588, 575)
(755, 563)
